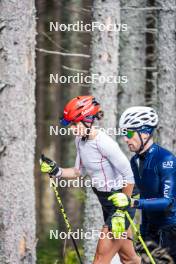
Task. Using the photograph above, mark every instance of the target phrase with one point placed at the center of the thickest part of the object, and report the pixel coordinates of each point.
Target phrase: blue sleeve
(167, 172)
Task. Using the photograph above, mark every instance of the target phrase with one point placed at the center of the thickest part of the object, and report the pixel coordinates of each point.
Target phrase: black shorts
(109, 209)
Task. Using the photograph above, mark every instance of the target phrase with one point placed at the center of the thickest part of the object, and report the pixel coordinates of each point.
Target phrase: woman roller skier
(100, 157)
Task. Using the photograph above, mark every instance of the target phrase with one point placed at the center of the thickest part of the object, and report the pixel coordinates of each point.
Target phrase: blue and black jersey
(155, 177)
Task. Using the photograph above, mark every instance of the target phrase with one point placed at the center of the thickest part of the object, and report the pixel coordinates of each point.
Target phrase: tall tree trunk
(52, 110)
(132, 58)
(76, 40)
(68, 90)
(74, 44)
(166, 73)
(104, 63)
(17, 131)
(47, 111)
(151, 54)
(40, 84)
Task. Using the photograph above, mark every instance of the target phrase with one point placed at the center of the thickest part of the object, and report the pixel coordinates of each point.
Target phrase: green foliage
(137, 223)
(79, 194)
(47, 251)
(71, 257)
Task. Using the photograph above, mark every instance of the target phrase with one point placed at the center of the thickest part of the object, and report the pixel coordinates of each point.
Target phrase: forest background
(144, 55)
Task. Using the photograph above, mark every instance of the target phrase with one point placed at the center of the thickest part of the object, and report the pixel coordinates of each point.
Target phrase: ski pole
(66, 221)
(140, 237)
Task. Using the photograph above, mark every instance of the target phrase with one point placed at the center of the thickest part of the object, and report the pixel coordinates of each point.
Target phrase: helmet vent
(133, 114)
(142, 114)
(126, 121)
(135, 123)
(78, 115)
(144, 119)
(80, 107)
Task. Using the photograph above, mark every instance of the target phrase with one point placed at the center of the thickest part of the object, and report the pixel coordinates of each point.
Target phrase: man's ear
(145, 136)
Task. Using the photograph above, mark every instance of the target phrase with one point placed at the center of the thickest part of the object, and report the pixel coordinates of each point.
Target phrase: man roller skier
(154, 170)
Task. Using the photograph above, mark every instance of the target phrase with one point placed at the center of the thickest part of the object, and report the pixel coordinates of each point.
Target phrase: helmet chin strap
(142, 143)
(86, 137)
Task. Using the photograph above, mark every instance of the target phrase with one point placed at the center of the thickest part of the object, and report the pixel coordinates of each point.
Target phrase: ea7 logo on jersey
(168, 164)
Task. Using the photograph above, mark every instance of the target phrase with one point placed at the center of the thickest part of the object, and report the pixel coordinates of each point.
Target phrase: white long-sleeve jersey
(102, 159)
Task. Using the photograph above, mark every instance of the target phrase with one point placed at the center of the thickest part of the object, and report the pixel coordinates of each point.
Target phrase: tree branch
(63, 54)
(73, 69)
(148, 8)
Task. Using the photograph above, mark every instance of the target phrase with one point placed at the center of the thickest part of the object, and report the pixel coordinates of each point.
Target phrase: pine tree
(17, 132)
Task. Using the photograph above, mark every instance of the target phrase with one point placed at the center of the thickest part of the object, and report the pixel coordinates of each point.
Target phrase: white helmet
(138, 116)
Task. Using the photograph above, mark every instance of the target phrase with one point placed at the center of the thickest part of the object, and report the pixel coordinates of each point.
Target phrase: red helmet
(81, 108)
